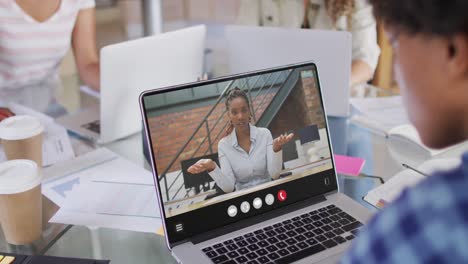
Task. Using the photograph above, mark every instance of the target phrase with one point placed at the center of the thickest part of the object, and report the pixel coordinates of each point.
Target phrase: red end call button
(282, 195)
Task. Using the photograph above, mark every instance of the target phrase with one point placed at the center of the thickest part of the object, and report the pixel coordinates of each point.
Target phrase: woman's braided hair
(234, 93)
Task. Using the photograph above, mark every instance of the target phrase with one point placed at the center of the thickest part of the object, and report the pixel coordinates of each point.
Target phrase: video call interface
(224, 140)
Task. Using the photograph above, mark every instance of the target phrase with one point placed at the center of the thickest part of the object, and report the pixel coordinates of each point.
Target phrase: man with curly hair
(428, 223)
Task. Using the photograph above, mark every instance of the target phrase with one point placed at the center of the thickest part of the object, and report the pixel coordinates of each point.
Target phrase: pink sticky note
(348, 165)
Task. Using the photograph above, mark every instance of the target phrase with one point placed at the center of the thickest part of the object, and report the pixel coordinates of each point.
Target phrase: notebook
(391, 190)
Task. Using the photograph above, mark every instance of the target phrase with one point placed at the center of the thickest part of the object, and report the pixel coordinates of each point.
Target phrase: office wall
(302, 108)
(173, 129)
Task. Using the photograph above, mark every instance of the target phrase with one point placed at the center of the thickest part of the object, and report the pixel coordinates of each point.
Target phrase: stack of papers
(56, 144)
(102, 189)
(380, 114)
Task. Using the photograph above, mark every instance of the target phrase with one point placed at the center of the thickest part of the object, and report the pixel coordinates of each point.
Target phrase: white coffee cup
(21, 137)
(20, 201)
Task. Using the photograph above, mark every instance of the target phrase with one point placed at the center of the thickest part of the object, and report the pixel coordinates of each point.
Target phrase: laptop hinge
(256, 219)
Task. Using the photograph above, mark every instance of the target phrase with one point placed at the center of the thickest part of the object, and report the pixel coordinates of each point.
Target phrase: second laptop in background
(127, 69)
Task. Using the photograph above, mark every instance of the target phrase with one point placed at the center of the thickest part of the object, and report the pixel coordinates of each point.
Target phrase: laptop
(129, 68)
(254, 48)
(300, 218)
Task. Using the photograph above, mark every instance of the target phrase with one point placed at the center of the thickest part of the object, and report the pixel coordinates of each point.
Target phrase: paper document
(387, 116)
(380, 114)
(56, 144)
(388, 192)
(99, 164)
(375, 104)
(112, 205)
(113, 198)
(103, 189)
(62, 177)
(402, 138)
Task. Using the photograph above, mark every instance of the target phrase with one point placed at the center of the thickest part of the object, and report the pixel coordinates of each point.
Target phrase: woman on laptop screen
(248, 155)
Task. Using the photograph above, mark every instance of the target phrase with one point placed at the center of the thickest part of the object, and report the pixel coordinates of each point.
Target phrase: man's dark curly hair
(434, 17)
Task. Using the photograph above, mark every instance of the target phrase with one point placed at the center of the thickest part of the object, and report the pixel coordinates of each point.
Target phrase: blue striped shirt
(426, 224)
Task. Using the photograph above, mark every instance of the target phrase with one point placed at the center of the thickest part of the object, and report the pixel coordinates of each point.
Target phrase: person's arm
(365, 50)
(361, 72)
(224, 176)
(84, 48)
(274, 159)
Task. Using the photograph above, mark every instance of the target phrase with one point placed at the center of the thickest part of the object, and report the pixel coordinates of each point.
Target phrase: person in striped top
(34, 38)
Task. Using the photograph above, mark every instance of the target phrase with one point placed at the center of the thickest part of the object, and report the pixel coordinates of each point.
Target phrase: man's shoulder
(422, 215)
(440, 191)
(454, 181)
(438, 200)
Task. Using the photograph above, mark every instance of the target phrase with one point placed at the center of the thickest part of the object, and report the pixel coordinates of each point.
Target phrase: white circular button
(245, 207)
(257, 203)
(269, 199)
(232, 211)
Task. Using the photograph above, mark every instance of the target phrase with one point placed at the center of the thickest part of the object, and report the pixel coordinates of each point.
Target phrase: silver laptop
(131, 67)
(271, 213)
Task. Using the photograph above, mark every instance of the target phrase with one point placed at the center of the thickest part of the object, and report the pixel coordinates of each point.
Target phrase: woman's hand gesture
(281, 140)
(201, 166)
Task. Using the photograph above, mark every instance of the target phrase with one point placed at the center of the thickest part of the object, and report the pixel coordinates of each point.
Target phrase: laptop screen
(228, 149)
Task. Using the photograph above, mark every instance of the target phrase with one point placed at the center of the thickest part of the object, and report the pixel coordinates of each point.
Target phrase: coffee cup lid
(18, 176)
(20, 127)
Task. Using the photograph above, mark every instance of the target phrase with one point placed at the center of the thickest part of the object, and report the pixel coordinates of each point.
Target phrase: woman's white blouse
(239, 169)
(290, 14)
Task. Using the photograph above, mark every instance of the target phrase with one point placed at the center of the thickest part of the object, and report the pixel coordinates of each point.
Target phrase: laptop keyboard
(288, 241)
(94, 126)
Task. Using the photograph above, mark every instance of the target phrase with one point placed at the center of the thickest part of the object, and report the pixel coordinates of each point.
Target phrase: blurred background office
(354, 16)
(121, 20)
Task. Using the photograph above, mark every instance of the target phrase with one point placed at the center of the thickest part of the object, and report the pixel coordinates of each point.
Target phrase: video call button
(282, 195)
(245, 207)
(257, 203)
(269, 199)
(232, 211)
